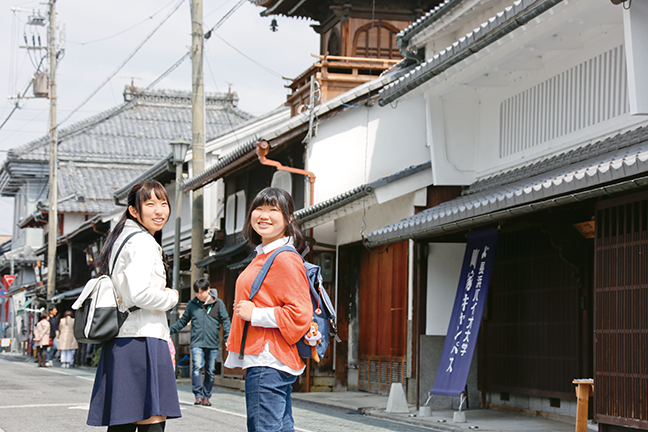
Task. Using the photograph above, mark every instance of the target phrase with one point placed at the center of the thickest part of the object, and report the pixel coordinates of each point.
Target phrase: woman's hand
(174, 291)
(244, 310)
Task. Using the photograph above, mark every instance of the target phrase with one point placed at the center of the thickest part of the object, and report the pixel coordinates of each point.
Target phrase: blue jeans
(268, 400)
(51, 351)
(200, 357)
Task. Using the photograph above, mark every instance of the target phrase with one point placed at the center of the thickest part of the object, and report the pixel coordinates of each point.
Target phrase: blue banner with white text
(466, 314)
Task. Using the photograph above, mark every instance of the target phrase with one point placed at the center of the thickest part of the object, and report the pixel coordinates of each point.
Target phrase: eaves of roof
(225, 253)
(214, 172)
(318, 210)
(90, 224)
(426, 20)
(248, 150)
(513, 17)
(623, 167)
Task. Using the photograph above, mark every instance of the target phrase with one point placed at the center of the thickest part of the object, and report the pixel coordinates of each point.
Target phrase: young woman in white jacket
(135, 386)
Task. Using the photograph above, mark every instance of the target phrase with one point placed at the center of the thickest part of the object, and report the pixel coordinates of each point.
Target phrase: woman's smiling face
(268, 221)
(154, 214)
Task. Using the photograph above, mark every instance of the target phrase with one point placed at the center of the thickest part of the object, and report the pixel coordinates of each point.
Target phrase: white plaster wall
(349, 228)
(364, 144)
(24, 205)
(463, 103)
(444, 268)
(72, 222)
(326, 233)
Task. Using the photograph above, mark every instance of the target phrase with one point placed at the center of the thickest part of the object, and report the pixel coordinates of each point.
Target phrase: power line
(188, 54)
(123, 63)
(224, 18)
(126, 30)
(265, 68)
(16, 105)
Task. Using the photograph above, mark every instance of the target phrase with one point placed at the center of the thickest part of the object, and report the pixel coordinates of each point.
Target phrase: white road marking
(55, 370)
(38, 405)
(234, 414)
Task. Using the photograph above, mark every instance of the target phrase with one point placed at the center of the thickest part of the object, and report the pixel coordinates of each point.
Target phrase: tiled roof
(420, 24)
(513, 17)
(593, 170)
(101, 153)
(87, 187)
(209, 174)
(153, 172)
(355, 194)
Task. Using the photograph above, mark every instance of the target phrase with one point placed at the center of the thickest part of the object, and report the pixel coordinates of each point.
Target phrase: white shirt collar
(260, 249)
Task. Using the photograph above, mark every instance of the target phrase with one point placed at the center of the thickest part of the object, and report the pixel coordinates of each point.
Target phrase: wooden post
(584, 389)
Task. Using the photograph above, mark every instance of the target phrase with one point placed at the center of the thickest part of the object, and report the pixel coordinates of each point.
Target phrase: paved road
(56, 400)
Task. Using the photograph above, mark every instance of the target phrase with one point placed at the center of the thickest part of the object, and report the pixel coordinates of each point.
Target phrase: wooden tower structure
(357, 41)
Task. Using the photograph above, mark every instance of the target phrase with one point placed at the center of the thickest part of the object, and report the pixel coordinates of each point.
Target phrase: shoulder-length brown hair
(281, 199)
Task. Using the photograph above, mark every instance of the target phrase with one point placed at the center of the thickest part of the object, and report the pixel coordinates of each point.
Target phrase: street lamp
(179, 153)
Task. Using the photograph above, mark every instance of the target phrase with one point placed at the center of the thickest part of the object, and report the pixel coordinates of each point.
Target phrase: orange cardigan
(285, 288)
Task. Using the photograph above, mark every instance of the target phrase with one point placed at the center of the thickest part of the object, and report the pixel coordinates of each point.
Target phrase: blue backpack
(313, 344)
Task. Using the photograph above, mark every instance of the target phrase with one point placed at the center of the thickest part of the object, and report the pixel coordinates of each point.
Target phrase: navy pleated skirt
(135, 381)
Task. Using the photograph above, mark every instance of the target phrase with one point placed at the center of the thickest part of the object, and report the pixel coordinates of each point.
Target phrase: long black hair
(138, 194)
(283, 200)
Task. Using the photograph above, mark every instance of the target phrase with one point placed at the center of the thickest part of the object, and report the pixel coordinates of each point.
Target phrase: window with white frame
(235, 209)
(240, 210)
(230, 214)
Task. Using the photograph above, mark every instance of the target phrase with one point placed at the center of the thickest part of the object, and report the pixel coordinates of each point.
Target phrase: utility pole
(53, 134)
(198, 135)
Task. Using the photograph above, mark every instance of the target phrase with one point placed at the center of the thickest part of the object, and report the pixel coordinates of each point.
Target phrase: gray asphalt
(56, 400)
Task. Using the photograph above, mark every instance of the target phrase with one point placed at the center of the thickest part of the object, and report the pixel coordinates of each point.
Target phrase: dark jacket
(206, 320)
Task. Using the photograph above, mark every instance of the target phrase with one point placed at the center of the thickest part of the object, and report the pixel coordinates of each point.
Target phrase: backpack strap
(257, 284)
(132, 308)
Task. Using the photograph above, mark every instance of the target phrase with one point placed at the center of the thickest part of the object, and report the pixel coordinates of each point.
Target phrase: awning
(21, 309)
(68, 295)
(243, 263)
(225, 253)
(408, 180)
(610, 166)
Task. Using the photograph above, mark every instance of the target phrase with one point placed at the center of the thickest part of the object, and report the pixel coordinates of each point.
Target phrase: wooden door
(621, 321)
(382, 318)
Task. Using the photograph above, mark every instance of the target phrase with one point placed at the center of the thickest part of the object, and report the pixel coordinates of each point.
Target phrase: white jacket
(139, 279)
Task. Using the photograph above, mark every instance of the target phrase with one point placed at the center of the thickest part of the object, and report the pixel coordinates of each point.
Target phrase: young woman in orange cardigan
(279, 315)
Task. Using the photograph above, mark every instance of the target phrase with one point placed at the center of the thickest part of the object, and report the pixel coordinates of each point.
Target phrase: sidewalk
(476, 419)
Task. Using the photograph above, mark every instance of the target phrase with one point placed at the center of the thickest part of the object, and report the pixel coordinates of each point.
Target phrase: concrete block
(323, 381)
(397, 403)
(459, 417)
(321, 389)
(425, 411)
(535, 403)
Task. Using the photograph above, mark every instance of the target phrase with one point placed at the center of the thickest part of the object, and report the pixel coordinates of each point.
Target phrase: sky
(243, 53)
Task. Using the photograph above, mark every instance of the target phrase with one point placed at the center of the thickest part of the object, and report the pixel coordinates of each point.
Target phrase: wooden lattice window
(376, 39)
(621, 321)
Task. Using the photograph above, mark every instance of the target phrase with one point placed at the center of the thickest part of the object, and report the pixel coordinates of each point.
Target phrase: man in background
(54, 334)
(207, 313)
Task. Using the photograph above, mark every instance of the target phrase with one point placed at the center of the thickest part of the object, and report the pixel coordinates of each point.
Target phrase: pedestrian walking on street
(207, 313)
(54, 335)
(67, 342)
(135, 387)
(278, 318)
(42, 338)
